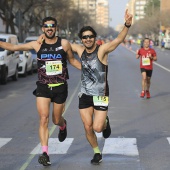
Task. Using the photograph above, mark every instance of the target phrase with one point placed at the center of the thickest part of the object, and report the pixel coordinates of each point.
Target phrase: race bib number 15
(100, 100)
(53, 67)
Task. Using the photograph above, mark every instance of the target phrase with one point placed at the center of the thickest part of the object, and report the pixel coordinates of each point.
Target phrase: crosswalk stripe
(121, 146)
(4, 141)
(55, 147)
(99, 135)
(168, 139)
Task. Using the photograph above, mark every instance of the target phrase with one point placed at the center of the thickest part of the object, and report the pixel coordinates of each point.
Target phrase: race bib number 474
(53, 67)
(100, 100)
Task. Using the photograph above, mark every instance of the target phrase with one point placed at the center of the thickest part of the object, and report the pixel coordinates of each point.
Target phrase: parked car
(166, 43)
(9, 60)
(26, 63)
(34, 54)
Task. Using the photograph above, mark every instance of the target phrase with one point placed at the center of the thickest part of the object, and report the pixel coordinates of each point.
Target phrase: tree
(6, 7)
(151, 7)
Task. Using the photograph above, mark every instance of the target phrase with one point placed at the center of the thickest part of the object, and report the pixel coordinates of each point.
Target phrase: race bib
(53, 67)
(100, 100)
(146, 61)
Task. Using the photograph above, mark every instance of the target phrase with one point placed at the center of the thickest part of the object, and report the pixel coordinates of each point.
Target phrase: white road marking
(121, 146)
(55, 147)
(4, 141)
(168, 139)
(99, 135)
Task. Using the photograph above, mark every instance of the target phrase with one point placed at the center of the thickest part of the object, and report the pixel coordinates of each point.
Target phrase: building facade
(165, 5)
(87, 6)
(102, 13)
(98, 10)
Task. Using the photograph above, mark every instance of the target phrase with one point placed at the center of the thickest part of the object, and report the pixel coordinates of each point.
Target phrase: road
(140, 127)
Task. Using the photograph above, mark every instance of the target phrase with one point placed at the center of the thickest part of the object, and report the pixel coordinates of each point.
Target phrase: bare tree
(6, 14)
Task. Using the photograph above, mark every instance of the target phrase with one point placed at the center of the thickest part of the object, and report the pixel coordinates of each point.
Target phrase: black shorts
(148, 72)
(57, 94)
(86, 101)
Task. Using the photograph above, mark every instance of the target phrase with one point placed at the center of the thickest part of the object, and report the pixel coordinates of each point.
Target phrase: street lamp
(47, 11)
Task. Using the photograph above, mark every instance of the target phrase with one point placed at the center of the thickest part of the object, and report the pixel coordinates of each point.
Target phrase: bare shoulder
(65, 42)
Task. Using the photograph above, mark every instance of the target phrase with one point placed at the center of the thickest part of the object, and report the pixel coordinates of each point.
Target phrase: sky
(117, 11)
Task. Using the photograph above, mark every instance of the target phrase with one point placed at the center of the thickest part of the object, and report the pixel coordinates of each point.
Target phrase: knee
(144, 79)
(43, 120)
(97, 128)
(88, 129)
(148, 80)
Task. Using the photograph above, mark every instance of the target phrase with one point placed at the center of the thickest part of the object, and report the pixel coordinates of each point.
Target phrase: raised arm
(108, 47)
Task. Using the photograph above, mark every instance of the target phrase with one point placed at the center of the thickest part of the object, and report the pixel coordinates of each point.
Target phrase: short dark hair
(86, 28)
(146, 39)
(49, 19)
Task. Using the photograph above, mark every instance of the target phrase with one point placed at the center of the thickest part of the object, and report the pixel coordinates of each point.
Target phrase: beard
(49, 37)
(90, 47)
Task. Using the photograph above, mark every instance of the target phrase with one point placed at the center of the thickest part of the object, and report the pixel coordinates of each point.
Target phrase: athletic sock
(96, 150)
(45, 149)
(62, 127)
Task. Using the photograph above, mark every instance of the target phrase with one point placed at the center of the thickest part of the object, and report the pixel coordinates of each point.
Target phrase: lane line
(28, 161)
(159, 65)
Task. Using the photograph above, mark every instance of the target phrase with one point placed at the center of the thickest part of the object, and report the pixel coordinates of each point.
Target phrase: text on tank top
(52, 63)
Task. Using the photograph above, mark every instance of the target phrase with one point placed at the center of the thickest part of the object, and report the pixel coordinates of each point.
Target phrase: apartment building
(98, 10)
(165, 13)
(102, 13)
(165, 5)
(131, 7)
(137, 9)
(88, 6)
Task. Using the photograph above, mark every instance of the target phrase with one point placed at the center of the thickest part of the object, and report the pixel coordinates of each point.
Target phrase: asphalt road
(140, 127)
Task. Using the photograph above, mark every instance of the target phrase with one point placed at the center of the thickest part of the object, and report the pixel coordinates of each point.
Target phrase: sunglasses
(49, 25)
(88, 36)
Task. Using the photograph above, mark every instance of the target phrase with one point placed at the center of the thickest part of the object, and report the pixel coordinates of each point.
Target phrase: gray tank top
(93, 75)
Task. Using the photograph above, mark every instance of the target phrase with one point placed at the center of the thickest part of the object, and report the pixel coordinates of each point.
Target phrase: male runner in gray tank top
(52, 56)
(94, 92)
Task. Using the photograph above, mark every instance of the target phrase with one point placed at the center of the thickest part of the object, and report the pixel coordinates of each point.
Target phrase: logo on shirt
(51, 56)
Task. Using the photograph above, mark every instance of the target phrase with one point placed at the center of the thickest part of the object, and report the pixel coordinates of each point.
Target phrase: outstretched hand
(128, 17)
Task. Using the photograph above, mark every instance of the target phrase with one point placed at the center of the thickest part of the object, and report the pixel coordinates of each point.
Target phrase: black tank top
(94, 75)
(52, 63)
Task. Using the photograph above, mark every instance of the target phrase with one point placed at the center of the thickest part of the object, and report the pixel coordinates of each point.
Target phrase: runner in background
(147, 55)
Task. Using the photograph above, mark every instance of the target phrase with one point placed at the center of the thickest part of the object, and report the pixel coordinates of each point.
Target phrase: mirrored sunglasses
(49, 25)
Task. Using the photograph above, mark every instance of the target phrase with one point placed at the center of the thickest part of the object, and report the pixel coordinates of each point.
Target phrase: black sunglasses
(88, 36)
(49, 25)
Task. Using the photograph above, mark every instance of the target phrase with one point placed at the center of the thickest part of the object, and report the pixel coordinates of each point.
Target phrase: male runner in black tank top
(94, 92)
(52, 56)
